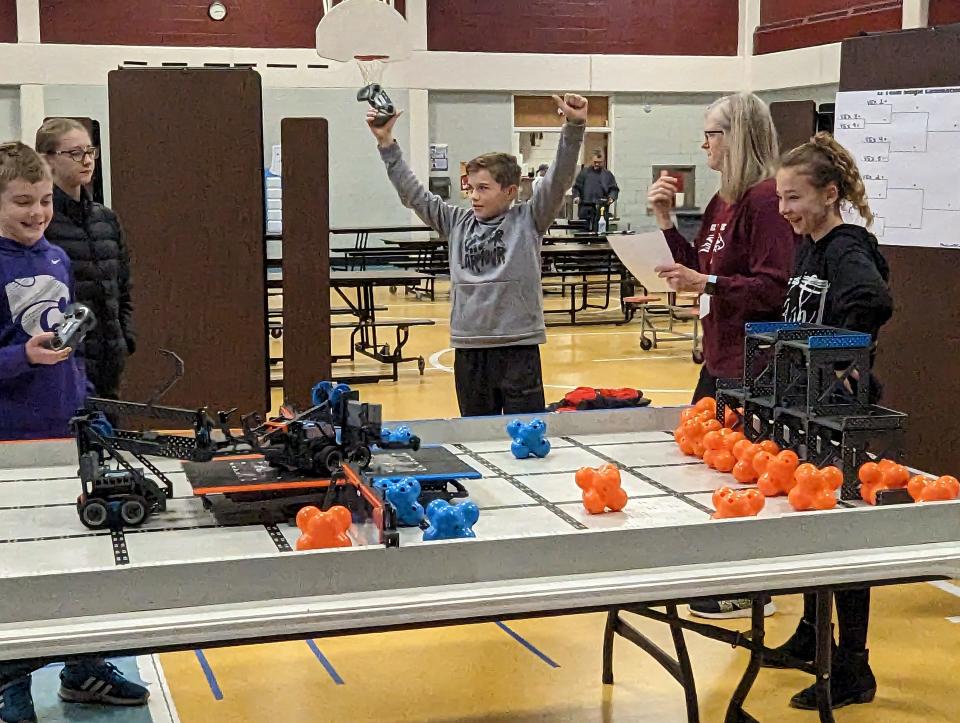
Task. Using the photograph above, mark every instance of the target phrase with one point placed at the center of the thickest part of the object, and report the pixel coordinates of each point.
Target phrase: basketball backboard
(363, 28)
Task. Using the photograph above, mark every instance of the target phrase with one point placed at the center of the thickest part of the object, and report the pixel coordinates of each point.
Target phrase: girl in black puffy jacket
(91, 235)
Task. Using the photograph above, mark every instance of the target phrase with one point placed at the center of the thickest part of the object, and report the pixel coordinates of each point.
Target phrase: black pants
(706, 385)
(499, 380)
(853, 617)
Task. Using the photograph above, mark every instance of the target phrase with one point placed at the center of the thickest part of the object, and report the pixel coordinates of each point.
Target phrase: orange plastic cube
(320, 530)
(815, 489)
(737, 503)
(777, 479)
(601, 488)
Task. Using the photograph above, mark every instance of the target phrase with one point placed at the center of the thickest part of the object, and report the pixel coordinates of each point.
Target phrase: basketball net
(372, 67)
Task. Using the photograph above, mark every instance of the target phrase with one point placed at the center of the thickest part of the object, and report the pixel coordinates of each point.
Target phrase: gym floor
(545, 669)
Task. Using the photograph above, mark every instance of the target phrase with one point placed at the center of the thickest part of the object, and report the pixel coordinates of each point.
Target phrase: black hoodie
(841, 281)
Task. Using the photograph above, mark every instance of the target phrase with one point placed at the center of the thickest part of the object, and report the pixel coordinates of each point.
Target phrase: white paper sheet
(641, 253)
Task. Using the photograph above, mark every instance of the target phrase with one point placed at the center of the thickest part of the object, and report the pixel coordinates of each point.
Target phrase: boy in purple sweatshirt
(40, 388)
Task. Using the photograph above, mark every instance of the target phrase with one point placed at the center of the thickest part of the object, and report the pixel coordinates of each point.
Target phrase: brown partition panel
(306, 256)
(186, 149)
(795, 121)
(920, 346)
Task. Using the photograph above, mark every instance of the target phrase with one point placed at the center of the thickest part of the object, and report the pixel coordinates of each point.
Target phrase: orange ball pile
(923, 489)
(883, 475)
(696, 423)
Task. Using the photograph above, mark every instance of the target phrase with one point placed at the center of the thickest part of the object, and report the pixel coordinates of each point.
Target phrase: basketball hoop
(371, 32)
(372, 67)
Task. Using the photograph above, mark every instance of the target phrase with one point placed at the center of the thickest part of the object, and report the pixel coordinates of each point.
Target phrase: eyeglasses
(707, 134)
(78, 154)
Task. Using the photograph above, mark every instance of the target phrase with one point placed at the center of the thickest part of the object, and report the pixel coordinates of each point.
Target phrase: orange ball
(744, 473)
(698, 449)
(707, 404)
(805, 473)
(730, 441)
(724, 461)
(833, 476)
(709, 458)
(761, 460)
(741, 447)
(870, 473)
(712, 425)
(686, 446)
(768, 445)
(713, 440)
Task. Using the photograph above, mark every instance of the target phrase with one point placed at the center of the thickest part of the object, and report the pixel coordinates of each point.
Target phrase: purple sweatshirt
(36, 402)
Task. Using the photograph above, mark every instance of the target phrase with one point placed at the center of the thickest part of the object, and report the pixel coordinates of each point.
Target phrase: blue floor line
(208, 672)
(528, 645)
(331, 671)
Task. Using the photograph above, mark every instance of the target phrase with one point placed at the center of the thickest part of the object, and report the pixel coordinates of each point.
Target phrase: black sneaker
(802, 646)
(97, 681)
(16, 701)
(851, 682)
(729, 609)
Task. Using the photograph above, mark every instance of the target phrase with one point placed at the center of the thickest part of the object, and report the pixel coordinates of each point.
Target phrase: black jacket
(92, 237)
(840, 280)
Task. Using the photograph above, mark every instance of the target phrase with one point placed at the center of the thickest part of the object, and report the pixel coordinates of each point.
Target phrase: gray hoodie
(495, 293)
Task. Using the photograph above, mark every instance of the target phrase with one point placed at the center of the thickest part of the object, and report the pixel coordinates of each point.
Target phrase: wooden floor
(549, 669)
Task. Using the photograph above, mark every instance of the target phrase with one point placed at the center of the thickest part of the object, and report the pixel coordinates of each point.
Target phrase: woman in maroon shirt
(743, 254)
(741, 259)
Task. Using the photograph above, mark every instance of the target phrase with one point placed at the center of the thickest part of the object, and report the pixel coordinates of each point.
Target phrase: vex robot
(338, 428)
(806, 387)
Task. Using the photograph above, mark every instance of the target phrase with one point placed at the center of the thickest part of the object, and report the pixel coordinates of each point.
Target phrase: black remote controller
(78, 321)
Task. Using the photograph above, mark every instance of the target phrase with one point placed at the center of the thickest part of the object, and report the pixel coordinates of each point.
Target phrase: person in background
(91, 235)
(538, 178)
(839, 279)
(741, 258)
(596, 188)
(40, 390)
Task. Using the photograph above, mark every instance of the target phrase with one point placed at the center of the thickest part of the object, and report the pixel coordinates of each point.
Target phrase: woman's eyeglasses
(707, 134)
(78, 154)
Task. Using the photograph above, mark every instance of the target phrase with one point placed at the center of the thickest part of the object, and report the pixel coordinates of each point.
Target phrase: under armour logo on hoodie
(481, 252)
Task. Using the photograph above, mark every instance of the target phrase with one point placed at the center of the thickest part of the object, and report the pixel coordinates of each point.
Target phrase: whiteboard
(907, 146)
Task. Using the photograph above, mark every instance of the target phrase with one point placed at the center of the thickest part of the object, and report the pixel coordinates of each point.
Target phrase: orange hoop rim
(368, 58)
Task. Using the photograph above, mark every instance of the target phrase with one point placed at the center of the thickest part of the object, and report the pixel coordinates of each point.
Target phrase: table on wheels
(183, 580)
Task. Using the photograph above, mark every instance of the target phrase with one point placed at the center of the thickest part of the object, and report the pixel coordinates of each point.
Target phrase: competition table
(183, 580)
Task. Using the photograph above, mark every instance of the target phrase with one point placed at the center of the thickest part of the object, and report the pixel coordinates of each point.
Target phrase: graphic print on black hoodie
(483, 251)
(841, 281)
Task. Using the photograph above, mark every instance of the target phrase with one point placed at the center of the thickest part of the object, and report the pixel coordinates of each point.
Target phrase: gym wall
(9, 113)
(470, 124)
(589, 26)
(360, 194)
(8, 21)
(944, 12)
(249, 24)
(802, 23)
(671, 132)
